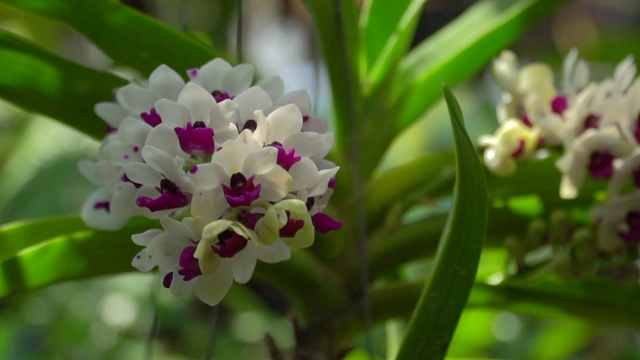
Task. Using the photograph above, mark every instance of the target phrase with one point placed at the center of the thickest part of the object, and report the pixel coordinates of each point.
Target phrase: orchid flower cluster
(596, 124)
(234, 173)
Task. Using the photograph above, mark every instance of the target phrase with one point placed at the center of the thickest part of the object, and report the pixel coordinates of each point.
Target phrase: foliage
(381, 85)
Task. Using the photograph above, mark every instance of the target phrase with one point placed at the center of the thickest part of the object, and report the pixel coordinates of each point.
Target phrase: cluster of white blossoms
(235, 173)
(595, 124)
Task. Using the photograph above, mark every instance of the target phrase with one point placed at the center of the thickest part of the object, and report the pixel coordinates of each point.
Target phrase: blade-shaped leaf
(461, 49)
(600, 302)
(124, 34)
(444, 296)
(17, 236)
(75, 255)
(44, 252)
(386, 29)
(45, 83)
(336, 26)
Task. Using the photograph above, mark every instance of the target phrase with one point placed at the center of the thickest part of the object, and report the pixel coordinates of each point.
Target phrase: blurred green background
(113, 318)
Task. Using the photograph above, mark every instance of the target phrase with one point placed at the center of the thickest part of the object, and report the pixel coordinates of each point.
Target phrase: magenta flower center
(286, 158)
(171, 197)
(559, 104)
(601, 165)
(241, 191)
(325, 223)
(291, 228)
(520, 150)
(632, 236)
(220, 96)
(196, 139)
(104, 205)
(591, 122)
(190, 266)
(229, 243)
(152, 117)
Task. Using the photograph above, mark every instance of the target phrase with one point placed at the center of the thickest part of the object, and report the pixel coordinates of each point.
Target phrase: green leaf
(412, 178)
(127, 36)
(39, 253)
(461, 49)
(386, 29)
(444, 296)
(78, 254)
(17, 236)
(336, 27)
(45, 83)
(601, 302)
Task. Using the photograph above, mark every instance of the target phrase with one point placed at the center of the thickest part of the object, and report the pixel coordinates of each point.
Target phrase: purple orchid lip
(291, 228)
(196, 139)
(171, 197)
(190, 266)
(105, 205)
(591, 122)
(220, 96)
(242, 191)
(229, 243)
(167, 280)
(520, 150)
(125, 178)
(193, 73)
(249, 219)
(325, 223)
(310, 202)
(559, 104)
(636, 178)
(632, 236)
(601, 165)
(152, 117)
(286, 158)
(250, 124)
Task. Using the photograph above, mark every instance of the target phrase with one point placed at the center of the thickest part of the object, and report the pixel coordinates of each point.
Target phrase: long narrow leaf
(336, 25)
(18, 236)
(127, 36)
(461, 49)
(39, 253)
(71, 256)
(605, 303)
(45, 83)
(444, 296)
(387, 28)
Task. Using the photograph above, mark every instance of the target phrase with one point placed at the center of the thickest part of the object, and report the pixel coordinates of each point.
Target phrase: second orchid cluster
(594, 124)
(234, 171)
